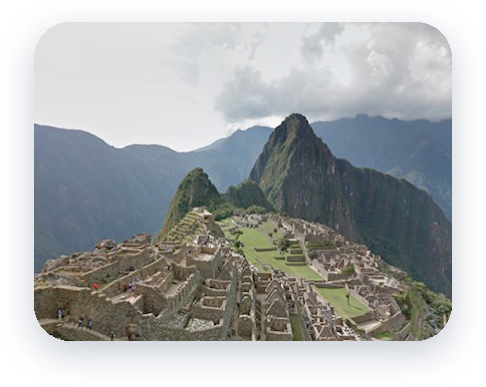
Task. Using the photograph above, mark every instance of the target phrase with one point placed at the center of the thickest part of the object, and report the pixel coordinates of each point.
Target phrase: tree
(283, 243)
(237, 234)
(348, 271)
(254, 209)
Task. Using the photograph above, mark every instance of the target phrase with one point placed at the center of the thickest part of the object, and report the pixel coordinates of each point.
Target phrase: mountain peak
(195, 190)
(300, 176)
(296, 124)
(296, 117)
(295, 129)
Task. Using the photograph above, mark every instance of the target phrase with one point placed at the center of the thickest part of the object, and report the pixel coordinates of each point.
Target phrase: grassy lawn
(258, 237)
(252, 238)
(337, 298)
(417, 307)
(296, 328)
(225, 223)
(268, 227)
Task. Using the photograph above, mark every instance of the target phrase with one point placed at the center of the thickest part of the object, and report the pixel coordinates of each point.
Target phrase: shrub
(348, 271)
(283, 243)
(254, 209)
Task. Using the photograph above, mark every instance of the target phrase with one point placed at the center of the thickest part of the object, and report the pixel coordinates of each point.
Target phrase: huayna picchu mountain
(300, 177)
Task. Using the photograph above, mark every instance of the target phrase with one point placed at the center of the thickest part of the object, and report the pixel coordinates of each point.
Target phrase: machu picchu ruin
(253, 277)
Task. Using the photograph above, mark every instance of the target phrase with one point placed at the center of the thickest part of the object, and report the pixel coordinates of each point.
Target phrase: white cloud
(392, 69)
(186, 85)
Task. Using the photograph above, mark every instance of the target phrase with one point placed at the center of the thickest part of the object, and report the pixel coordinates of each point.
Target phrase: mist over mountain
(300, 176)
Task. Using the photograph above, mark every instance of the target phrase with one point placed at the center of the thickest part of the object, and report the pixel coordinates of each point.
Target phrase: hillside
(246, 194)
(86, 190)
(300, 176)
(418, 151)
(195, 190)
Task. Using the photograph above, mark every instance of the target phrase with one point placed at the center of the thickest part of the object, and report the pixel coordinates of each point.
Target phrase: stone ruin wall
(173, 303)
(107, 316)
(210, 268)
(154, 331)
(69, 333)
(133, 258)
(220, 289)
(210, 308)
(246, 325)
(152, 301)
(230, 303)
(116, 286)
(278, 329)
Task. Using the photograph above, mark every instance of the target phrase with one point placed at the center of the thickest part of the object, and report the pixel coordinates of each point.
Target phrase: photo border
(55, 360)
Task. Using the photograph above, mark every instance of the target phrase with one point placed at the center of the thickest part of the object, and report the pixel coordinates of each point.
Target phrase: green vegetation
(252, 238)
(283, 243)
(323, 244)
(384, 336)
(223, 211)
(436, 301)
(248, 196)
(348, 271)
(195, 190)
(189, 226)
(254, 209)
(413, 303)
(339, 300)
(392, 217)
(296, 328)
(417, 305)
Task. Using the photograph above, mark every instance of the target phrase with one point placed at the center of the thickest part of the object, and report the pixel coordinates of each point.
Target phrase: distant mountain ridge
(87, 190)
(301, 177)
(418, 151)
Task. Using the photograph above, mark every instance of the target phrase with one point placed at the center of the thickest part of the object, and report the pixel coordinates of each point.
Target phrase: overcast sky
(187, 85)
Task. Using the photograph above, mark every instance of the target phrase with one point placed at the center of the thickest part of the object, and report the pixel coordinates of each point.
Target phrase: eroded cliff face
(299, 175)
